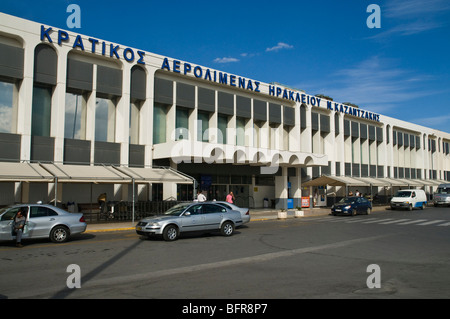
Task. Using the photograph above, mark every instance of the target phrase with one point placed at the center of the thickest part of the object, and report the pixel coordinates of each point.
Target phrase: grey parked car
(189, 217)
(42, 221)
(245, 212)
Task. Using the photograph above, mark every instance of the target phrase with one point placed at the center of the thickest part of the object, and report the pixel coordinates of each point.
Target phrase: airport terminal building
(81, 116)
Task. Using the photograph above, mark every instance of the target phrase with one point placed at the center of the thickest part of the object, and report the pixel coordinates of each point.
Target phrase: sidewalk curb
(258, 216)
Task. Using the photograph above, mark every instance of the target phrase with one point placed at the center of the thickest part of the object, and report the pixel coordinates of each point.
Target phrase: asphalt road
(312, 257)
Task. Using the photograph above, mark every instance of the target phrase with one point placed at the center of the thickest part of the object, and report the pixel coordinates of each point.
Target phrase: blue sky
(400, 70)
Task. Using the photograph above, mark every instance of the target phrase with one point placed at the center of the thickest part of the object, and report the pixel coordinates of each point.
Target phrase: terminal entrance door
(217, 192)
(241, 195)
(220, 192)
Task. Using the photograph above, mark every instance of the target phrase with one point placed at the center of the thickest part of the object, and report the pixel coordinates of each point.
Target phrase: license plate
(338, 210)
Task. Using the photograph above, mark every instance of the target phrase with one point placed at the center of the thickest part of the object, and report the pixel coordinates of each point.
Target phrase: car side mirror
(187, 214)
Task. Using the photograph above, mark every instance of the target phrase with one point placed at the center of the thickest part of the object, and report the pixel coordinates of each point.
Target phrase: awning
(370, 181)
(155, 175)
(23, 172)
(335, 181)
(40, 172)
(374, 181)
(86, 174)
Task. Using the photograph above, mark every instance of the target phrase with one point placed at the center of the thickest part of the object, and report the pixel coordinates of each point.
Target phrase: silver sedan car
(189, 217)
(245, 212)
(42, 221)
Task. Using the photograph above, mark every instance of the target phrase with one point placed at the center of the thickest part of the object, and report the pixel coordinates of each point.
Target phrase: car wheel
(227, 229)
(368, 211)
(59, 234)
(170, 233)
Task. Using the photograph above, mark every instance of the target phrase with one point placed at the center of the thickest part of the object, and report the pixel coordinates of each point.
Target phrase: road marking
(339, 219)
(377, 221)
(227, 263)
(431, 222)
(446, 224)
(359, 220)
(413, 222)
(395, 221)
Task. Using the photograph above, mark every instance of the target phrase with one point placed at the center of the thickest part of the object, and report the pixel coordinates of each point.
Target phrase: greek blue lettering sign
(316, 101)
(92, 45)
(211, 75)
(342, 108)
(115, 51)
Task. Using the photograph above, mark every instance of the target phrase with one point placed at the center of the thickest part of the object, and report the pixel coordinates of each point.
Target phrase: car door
(6, 223)
(360, 205)
(41, 221)
(193, 220)
(212, 216)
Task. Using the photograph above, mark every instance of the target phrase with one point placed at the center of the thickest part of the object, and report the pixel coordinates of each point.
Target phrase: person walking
(201, 197)
(230, 198)
(19, 225)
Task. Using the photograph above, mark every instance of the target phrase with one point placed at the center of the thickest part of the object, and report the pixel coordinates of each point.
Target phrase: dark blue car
(352, 206)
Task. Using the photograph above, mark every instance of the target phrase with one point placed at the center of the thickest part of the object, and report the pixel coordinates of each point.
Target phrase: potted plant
(299, 212)
(282, 214)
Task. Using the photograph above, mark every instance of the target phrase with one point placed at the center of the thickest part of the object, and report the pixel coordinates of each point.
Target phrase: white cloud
(415, 8)
(375, 83)
(433, 121)
(409, 29)
(413, 17)
(226, 60)
(280, 46)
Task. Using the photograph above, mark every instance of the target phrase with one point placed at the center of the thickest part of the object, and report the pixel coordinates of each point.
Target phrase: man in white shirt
(201, 197)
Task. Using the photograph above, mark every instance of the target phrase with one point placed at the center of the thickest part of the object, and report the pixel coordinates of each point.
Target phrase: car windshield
(443, 190)
(403, 194)
(176, 210)
(347, 200)
(4, 209)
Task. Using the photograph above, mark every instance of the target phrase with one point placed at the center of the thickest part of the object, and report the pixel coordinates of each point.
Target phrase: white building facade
(73, 101)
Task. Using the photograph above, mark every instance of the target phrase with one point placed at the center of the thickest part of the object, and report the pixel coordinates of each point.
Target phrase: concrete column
(281, 190)
(296, 187)
(123, 116)
(170, 188)
(59, 106)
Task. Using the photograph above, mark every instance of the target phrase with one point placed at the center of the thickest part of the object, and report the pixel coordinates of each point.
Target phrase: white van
(442, 195)
(409, 199)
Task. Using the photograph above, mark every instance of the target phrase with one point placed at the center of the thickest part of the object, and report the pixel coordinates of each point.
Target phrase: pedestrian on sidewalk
(230, 198)
(201, 197)
(19, 225)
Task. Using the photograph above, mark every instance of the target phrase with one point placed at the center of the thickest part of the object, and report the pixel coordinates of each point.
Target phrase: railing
(123, 211)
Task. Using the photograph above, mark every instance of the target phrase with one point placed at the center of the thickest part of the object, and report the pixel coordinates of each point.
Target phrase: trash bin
(290, 203)
(266, 203)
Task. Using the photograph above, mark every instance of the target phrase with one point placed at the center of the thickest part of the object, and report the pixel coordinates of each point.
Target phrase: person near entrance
(201, 197)
(230, 198)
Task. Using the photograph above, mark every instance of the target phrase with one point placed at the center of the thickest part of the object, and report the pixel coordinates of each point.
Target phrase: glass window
(105, 120)
(135, 109)
(182, 124)
(202, 127)
(159, 123)
(257, 134)
(7, 118)
(240, 131)
(41, 113)
(222, 125)
(75, 117)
